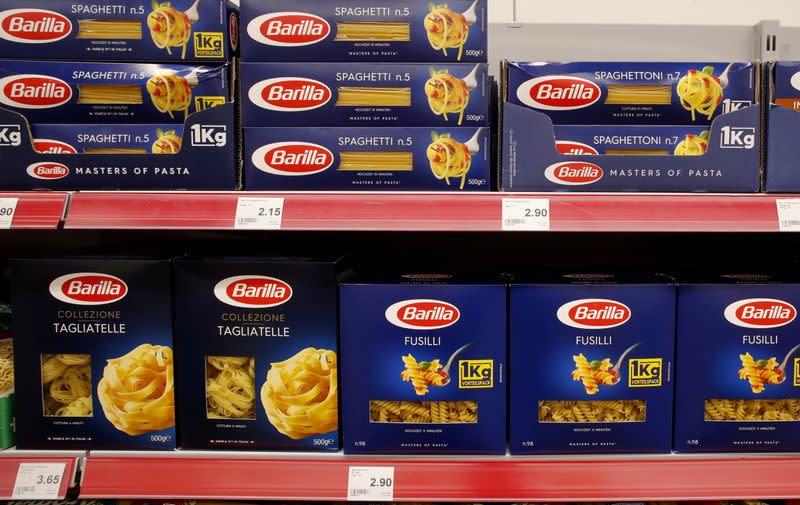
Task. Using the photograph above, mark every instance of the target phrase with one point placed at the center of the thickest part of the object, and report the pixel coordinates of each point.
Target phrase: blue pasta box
(434, 348)
(368, 158)
(783, 124)
(78, 92)
(365, 94)
(738, 369)
(107, 138)
(605, 344)
(258, 341)
(653, 140)
(630, 93)
(94, 354)
(133, 30)
(349, 30)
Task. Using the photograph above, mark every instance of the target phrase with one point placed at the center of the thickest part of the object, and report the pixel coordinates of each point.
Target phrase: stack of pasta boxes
(393, 95)
(117, 80)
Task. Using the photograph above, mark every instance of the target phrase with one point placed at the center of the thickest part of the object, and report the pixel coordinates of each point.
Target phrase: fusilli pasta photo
(586, 411)
(230, 387)
(423, 412)
(593, 374)
(718, 409)
(758, 373)
(67, 385)
(422, 374)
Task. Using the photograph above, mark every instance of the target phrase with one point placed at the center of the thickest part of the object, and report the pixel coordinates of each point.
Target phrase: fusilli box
(259, 364)
(94, 355)
(591, 365)
(425, 369)
(738, 375)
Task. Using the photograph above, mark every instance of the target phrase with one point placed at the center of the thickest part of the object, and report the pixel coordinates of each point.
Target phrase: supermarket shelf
(38, 209)
(313, 477)
(11, 459)
(606, 212)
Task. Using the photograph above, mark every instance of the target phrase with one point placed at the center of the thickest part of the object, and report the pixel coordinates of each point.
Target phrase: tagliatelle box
(591, 359)
(92, 371)
(434, 349)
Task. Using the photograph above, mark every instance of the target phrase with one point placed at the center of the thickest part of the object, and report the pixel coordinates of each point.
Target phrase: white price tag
(526, 214)
(370, 483)
(788, 214)
(7, 208)
(253, 213)
(38, 481)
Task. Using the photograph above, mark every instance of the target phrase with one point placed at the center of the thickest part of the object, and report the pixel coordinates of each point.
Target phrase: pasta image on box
(383, 30)
(259, 358)
(629, 140)
(107, 138)
(134, 30)
(365, 94)
(434, 348)
(368, 158)
(605, 345)
(53, 92)
(630, 93)
(738, 374)
(94, 354)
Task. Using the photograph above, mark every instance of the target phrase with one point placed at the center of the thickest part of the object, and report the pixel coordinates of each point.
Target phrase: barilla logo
(289, 94)
(292, 158)
(49, 146)
(594, 313)
(574, 148)
(33, 26)
(88, 288)
(760, 313)
(30, 91)
(558, 92)
(422, 314)
(573, 173)
(288, 29)
(253, 291)
(48, 170)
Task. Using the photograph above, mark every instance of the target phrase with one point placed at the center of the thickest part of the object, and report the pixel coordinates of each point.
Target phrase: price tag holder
(788, 214)
(526, 214)
(38, 481)
(254, 213)
(370, 483)
(7, 208)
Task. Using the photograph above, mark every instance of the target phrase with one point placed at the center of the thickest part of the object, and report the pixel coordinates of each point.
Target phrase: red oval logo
(49, 146)
(574, 148)
(88, 288)
(288, 29)
(422, 314)
(760, 313)
(253, 291)
(33, 26)
(573, 173)
(558, 92)
(30, 91)
(290, 94)
(292, 158)
(48, 170)
(593, 313)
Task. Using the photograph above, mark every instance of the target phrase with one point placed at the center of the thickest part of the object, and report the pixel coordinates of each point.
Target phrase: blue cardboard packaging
(591, 365)
(783, 125)
(653, 140)
(93, 354)
(107, 138)
(258, 368)
(434, 350)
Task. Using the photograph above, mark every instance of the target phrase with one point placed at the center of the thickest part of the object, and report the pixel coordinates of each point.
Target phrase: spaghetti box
(94, 355)
(77, 92)
(783, 124)
(630, 93)
(453, 159)
(434, 349)
(107, 138)
(738, 374)
(631, 139)
(591, 365)
(366, 94)
(134, 30)
(349, 30)
(258, 368)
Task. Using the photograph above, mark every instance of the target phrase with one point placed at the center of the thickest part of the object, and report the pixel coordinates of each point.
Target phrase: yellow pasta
(115, 150)
(449, 158)
(692, 145)
(137, 390)
(639, 94)
(67, 385)
(446, 29)
(130, 94)
(594, 374)
(109, 29)
(6, 366)
(169, 28)
(230, 387)
(300, 395)
(588, 411)
(170, 93)
(638, 152)
(370, 30)
(700, 92)
(376, 161)
(370, 96)
(167, 142)
(758, 373)
(447, 94)
(717, 409)
(422, 374)
(381, 411)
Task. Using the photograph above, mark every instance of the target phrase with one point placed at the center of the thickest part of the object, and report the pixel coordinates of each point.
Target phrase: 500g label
(160, 438)
(324, 442)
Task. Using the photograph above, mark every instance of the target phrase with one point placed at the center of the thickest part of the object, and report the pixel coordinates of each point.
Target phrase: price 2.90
(380, 482)
(536, 212)
(6, 211)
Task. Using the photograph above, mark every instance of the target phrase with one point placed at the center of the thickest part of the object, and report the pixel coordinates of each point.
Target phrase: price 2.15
(536, 213)
(380, 482)
(269, 211)
(48, 479)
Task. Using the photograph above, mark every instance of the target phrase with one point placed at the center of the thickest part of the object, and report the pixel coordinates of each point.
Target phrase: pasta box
(349, 30)
(365, 94)
(134, 30)
(591, 364)
(441, 159)
(7, 429)
(738, 373)
(92, 372)
(434, 348)
(783, 123)
(632, 140)
(259, 360)
(107, 138)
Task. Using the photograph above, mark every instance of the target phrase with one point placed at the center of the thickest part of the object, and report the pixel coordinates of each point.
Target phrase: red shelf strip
(35, 209)
(10, 465)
